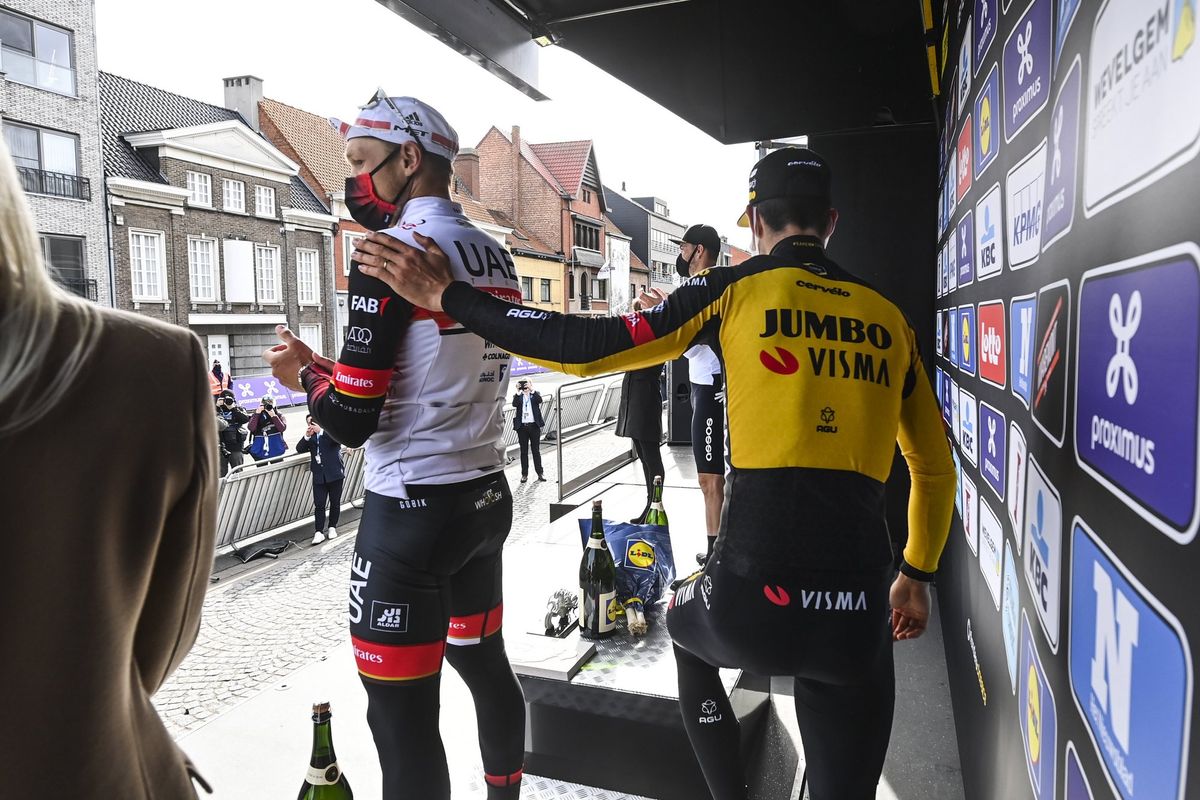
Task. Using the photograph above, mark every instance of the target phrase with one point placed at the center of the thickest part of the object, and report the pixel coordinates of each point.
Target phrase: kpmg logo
(1010, 609)
(969, 436)
(993, 358)
(970, 512)
(993, 450)
(1027, 54)
(963, 183)
(1075, 783)
(1064, 146)
(984, 29)
(1025, 196)
(1131, 674)
(987, 107)
(1049, 404)
(965, 233)
(991, 541)
(1043, 549)
(1021, 319)
(1137, 384)
(989, 239)
(966, 332)
(1039, 716)
(1018, 463)
(1143, 70)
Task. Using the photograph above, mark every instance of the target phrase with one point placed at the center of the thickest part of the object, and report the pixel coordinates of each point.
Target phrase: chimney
(242, 95)
(466, 167)
(516, 174)
(622, 186)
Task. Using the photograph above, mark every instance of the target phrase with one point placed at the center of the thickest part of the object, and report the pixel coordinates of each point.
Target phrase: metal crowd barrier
(259, 498)
(582, 413)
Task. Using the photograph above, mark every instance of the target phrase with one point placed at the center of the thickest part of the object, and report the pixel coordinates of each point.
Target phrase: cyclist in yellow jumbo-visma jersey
(823, 378)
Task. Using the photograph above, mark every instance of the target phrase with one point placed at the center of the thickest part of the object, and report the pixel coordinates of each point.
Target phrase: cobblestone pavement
(261, 628)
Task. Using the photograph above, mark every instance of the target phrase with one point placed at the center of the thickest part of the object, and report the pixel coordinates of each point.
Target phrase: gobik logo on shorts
(1039, 716)
(1131, 674)
(1137, 384)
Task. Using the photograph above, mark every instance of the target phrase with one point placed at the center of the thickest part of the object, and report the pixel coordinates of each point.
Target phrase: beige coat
(108, 517)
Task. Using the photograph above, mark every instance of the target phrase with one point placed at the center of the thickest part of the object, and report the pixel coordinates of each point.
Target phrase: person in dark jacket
(325, 460)
(639, 417)
(266, 431)
(528, 423)
(232, 437)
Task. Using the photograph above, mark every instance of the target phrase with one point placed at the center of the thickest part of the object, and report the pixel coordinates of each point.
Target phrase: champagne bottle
(656, 515)
(324, 780)
(598, 607)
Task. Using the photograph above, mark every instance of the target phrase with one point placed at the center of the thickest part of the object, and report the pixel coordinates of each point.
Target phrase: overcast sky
(328, 56)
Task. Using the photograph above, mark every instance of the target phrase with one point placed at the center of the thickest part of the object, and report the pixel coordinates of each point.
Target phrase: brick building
(647, 221)
(50, 114)
(211, 227)
(553, 191)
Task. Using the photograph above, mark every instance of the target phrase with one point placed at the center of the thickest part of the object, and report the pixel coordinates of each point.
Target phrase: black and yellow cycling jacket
(823, 377)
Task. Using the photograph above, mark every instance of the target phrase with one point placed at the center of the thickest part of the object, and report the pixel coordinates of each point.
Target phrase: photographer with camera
(232, 436)
(266, 431)
(528, 424)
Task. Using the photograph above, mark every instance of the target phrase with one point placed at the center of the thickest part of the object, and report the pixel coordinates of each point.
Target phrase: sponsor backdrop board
(1069, 354)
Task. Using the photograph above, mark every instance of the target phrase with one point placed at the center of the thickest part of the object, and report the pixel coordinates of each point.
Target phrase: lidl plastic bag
(645, 564)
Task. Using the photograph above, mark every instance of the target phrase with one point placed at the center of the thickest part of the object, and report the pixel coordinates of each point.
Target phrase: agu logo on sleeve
(1043, 549)
(1039, 717)
(968, 425)
(984, 30)
(970, 512)
(1018, 465)
(1027, 68)
(962, 183)
(993, 360)
(987, 109)
(955, 337)
(1131, 674)
(989, 235)
(1010, 607)
(1025, 192)
(1075, 784)
(1021, 311)
(991, 540)
(1143, 70)
(1137, 384)
(1050, 360)
(966, 335)
(993, 436)
(1060, 174)
(965, 233)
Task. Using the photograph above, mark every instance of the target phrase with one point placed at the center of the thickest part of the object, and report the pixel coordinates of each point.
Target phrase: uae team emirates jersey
(424, 393)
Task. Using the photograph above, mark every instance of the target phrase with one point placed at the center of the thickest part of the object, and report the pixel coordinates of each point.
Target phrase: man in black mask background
(698, 251)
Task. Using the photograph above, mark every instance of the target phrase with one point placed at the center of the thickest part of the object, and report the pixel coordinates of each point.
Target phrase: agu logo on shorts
(639, 555)
(1130, 674)
(1039, 717)
(1137, 384)
(1050, 360)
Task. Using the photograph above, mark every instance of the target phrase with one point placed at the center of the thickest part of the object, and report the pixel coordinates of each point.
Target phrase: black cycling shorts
(427, 573)
(708, 426)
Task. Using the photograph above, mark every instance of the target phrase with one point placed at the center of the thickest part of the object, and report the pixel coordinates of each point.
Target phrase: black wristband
(914, 573)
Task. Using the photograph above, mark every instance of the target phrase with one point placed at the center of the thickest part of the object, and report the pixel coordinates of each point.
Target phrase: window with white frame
(199, 186)
(266, 273)
(264, 201)
(308, 284)
(526, 288)
(147, 266)
(349, 240)
(202, 269)
(233, 194)
(311, 336)
(36, 54)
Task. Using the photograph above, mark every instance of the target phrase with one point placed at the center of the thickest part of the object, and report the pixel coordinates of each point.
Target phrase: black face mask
(683, 266)
(364, 204)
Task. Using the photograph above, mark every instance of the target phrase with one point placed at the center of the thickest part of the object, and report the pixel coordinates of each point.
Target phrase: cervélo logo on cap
(1137, 384)
(1131, 674)
(1027, 61)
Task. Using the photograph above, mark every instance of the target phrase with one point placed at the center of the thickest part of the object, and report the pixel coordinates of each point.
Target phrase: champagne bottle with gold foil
(324, 780)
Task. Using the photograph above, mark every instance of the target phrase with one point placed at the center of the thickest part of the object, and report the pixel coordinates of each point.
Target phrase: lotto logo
(993, 360)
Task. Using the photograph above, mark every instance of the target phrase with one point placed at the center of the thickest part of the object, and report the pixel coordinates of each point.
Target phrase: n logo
(1112, 663)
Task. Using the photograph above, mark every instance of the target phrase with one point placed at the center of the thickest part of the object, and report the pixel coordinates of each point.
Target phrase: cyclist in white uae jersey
(427, 397)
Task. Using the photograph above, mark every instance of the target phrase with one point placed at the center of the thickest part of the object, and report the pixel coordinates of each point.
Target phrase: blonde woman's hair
(30, 307)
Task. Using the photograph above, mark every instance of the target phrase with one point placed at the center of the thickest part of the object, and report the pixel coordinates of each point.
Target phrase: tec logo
(993, 358)
(1131, 675)
(1043, 549)
(1137, 384)
(1039, 716)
